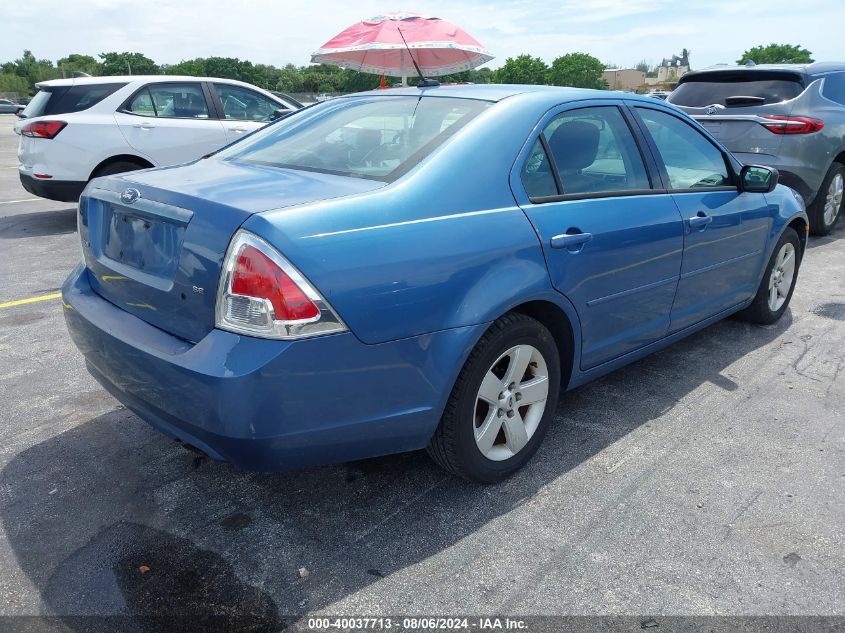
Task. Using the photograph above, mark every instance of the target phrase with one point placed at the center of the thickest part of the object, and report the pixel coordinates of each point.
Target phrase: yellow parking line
(20, 302)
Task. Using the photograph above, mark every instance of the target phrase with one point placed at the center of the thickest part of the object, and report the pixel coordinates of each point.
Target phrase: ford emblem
(129, 196)
(711, 110)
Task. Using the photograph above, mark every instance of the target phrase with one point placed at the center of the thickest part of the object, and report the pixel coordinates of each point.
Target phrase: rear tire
(502, 402)
(778, 281)
(118, 167)
(827, 207)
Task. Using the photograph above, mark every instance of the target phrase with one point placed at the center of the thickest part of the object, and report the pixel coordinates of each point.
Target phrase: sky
(619, 32)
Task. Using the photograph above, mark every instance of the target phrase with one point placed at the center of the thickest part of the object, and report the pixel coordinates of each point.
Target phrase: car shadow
(837, 233)
(38, 224)
(110, 518)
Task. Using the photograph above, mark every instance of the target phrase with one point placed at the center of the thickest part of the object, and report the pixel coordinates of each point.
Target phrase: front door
(170, 123)
(613, 242)
(726, 229)
(244, 110)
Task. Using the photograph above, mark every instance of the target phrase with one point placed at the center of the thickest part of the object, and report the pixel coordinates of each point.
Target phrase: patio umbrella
(375, 46)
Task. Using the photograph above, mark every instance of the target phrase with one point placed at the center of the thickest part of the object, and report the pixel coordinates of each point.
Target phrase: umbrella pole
(402, 68)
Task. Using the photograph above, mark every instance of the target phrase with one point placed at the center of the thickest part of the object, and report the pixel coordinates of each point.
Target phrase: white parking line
(16, 201)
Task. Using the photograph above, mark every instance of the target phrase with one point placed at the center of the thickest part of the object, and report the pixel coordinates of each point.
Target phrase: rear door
(243, 110)
(613, 241)
(725, 229)
(171, 122)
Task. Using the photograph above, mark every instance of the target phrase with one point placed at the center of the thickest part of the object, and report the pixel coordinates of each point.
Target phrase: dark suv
(788, 116)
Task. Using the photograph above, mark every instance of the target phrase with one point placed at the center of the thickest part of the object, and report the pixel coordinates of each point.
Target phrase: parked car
(789, 116)
(10, 107)
(415, 268)
(294, 103)
(77, 129)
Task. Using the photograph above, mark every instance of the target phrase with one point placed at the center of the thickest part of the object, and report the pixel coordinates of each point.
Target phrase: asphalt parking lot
(708, 479)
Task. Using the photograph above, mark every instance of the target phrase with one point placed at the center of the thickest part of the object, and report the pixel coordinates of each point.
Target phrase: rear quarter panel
(443, 247)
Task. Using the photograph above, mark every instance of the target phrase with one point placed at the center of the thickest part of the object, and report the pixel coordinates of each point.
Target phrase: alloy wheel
(781, 277)
(833, 201)
(510, 402)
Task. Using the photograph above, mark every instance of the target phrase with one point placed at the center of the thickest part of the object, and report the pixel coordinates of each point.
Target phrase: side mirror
(758, 179)
(280, 113)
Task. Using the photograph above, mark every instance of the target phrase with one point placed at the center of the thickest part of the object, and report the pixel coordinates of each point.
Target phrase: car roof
(815, 68)
(498, 92)
(110, 79)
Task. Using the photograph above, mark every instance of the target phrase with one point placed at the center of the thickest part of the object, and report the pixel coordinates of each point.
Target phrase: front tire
(778, 281)
(502, 402)
(827, 207)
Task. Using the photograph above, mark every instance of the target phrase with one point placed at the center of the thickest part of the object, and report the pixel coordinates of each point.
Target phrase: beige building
(628, 79)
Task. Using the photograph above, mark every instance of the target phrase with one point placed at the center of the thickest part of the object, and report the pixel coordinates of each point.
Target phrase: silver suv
(788, 116)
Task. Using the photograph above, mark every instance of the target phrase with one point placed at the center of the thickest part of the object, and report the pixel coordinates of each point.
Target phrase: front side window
(178, 101)
(240, 104)
(366, 137)
(691, 161)
(593, 151)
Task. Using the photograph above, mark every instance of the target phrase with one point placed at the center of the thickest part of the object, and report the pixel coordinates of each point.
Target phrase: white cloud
(617, 31)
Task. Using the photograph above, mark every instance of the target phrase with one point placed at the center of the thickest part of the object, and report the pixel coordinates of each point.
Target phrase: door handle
(239, 130)
(569, 240)
(700, 221)
(144, 126)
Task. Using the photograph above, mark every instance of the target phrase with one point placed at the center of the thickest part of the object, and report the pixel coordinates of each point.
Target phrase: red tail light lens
(792, 125)
(258, 276)
(262, 294)
(43, 129)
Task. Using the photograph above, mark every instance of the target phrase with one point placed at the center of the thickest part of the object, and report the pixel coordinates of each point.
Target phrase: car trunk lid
(154, 241)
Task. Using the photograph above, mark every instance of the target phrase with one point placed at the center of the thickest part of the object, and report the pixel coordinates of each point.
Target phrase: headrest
(574, 145)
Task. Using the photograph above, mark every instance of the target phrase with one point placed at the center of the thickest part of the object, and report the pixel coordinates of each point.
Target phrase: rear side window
(692, 162)
(593, 151)
(67, 99)
(735, 90)
(177, 101)
(834, 88)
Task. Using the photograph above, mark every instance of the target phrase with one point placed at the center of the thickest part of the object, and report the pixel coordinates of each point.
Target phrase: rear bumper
(61, 190)
(269, 405)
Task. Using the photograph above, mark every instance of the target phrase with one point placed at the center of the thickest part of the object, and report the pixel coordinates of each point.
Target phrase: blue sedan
(419, 268)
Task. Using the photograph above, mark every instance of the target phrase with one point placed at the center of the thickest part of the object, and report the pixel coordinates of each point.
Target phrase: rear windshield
(65, 99)
(378, 138)
(728, 90)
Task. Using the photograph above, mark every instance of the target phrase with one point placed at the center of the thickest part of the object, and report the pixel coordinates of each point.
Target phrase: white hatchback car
(76, 129)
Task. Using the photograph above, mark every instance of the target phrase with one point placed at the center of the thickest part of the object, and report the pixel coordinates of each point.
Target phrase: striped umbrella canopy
(376, 46)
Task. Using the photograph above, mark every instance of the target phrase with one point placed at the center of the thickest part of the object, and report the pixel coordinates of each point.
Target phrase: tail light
(262, 294)
(43, 129)
(792, 125)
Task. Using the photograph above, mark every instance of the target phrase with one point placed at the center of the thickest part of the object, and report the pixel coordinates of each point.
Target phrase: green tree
(32, 70)
(776, 54)
(9, 82)
(523, 70)
(290, 79)
(481, 76)
(189, 67)
(126, 64)
(579, 70)
(231, 68)
(643, 66)
(76, 62)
